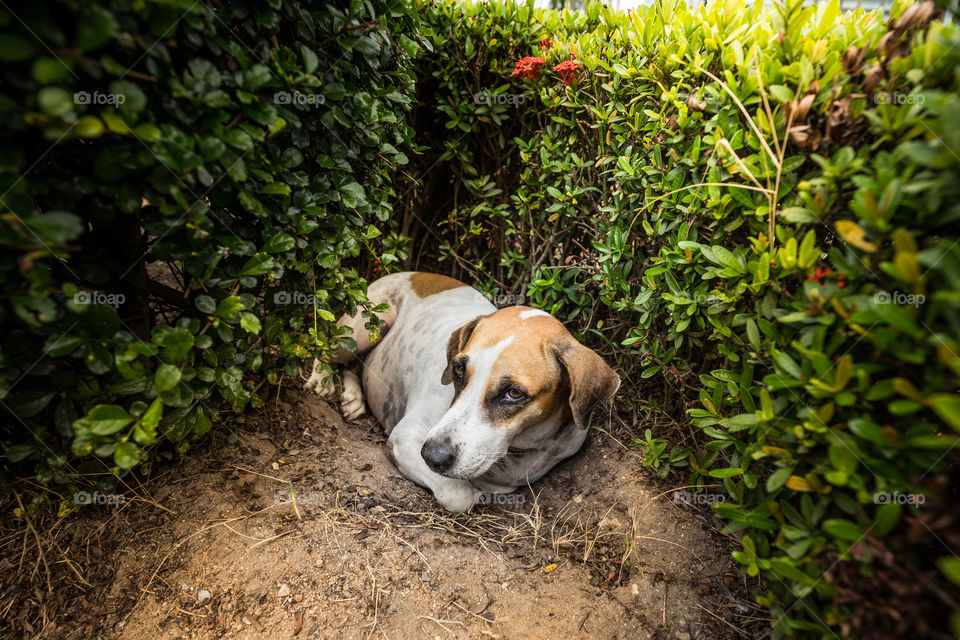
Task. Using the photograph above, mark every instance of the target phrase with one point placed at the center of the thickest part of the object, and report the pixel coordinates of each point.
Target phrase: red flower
(568, 70)
(819, 274)
(545, 44)
(528, 68)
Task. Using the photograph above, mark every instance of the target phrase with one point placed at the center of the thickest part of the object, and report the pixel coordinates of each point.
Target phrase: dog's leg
(321, 382)
(405, 442)
(379, 292)
(351, 403)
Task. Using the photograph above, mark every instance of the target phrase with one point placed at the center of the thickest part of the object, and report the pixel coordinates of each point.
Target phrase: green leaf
(61, 345)
(310, 60)
(276, 188)
(257, 265)
(947, 406)
(788, 364)
(14, 49)
(843, 529)
(352, 194)
(20, 452)
(886, 517)
(206, 304)
(49, 70)
(166, 377)
(54, 101)
(96, 26)
(106, 419)
(176, 342)
(229, 307)
(237, 138)
(726, 473)
(279, 243)
(250, 322)
(126, 455)
(778, 478)
(950, 566)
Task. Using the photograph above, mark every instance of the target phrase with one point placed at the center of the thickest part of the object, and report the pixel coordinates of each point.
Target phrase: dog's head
(517, 374)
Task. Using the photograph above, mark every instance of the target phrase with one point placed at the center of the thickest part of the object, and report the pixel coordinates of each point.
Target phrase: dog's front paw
(457, 498)
(321, 382)
(316, 384)
(351, 404)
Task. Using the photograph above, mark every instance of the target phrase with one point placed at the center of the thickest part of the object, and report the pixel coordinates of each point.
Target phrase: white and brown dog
(473, 398)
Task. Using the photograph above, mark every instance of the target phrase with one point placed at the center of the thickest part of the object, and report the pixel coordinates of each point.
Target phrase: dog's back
(406, 364)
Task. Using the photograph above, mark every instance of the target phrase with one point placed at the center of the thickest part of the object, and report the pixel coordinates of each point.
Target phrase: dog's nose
(439, 455)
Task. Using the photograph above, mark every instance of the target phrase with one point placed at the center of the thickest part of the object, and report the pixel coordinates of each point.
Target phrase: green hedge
(754, 211)
(185, 189)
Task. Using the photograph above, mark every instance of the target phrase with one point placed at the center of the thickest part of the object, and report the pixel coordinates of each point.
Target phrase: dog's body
(521, 387)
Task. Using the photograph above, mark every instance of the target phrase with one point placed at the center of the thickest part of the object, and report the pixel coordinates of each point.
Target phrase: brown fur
(555, 370)
(427, 284)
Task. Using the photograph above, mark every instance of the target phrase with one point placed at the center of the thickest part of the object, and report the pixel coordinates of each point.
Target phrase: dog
(473, 399)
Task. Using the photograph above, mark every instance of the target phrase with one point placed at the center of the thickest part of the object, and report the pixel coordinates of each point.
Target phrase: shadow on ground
(301, 528)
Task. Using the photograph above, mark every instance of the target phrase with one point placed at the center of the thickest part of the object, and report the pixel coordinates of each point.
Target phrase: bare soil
(297, 526)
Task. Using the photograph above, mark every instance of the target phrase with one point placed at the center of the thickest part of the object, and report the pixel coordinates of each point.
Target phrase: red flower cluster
(820, 273)
(528, 68)
(545, 44)
(568, 70)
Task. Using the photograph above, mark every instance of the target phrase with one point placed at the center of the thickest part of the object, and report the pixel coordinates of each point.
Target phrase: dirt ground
(295, 525)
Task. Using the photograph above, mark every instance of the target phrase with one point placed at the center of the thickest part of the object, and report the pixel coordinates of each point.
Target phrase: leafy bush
(184, 193)
(754, 212)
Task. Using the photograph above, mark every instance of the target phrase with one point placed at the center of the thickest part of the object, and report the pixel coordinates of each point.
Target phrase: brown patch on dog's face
(529, 383)
(427, 284)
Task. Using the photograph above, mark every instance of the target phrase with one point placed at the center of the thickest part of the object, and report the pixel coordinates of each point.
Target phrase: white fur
(479, 443)
(401, 381)
(532, 313)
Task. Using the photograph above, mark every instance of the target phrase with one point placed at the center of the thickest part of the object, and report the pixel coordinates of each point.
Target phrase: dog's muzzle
(439, 455)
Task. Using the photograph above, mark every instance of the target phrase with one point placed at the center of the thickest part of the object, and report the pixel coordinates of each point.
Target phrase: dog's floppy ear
(592, 381)
(455, 344)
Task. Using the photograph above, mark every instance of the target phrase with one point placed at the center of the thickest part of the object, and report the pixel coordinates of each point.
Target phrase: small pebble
(284, 590)
(203, 595)
(425, 576)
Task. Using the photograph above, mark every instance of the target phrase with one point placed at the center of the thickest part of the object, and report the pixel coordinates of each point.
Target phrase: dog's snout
(438, 454)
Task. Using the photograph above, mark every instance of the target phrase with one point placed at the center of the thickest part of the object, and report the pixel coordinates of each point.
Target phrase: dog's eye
(513, 394)
(458, 370)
